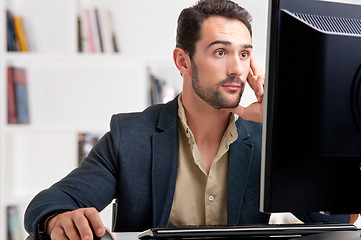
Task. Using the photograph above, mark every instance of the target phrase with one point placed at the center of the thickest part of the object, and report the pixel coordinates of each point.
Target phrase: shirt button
(211, 198)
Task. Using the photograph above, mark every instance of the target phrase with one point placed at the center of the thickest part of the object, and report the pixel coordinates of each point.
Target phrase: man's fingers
(77, 224)
(59, 234)
(239, 110)
(71, 232)
(253, 112)
(259, 87)
(83, 227)
(256, 69)
(95, 221)
(64, 229)
(257, 84)
(256, 79)
(107, 229)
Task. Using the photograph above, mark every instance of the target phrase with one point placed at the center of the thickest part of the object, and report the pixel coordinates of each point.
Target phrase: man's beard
(214, 96)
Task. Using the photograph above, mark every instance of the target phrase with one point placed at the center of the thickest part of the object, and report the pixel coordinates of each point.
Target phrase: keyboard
(243, 230)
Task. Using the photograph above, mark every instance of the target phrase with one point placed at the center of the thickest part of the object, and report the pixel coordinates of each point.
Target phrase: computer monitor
(311, 154)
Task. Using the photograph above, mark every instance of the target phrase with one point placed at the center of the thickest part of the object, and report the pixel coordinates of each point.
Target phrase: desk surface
(339, 235)
(126, 236)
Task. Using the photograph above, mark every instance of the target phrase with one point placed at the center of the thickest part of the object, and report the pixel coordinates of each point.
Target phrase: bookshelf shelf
(79, 58)
(31, 129)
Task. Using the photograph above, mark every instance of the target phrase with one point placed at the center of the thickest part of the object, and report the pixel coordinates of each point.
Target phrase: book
(106, 32)
(115, 44)
(14, 224)
(84, 32)
(11, 104)
(11, 41)
(89, 28)
(95, 31)
(80, 45)
(86, 141)
(113, 35)
(20, 33)
(21, 95)
(97, 21)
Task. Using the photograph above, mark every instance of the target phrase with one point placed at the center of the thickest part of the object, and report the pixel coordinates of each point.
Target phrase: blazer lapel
(164, 163)
(240, 153)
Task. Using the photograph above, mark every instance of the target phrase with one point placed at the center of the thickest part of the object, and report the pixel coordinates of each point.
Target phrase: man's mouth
(231, 86)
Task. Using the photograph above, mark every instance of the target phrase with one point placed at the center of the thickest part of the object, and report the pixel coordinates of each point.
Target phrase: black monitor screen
(311, 159)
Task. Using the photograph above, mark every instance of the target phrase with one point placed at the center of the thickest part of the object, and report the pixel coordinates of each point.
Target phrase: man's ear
(182, 61)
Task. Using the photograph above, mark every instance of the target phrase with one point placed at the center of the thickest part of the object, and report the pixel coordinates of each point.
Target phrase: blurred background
(65, 67)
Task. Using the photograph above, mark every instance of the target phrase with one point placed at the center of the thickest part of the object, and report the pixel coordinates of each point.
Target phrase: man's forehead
(223, 30)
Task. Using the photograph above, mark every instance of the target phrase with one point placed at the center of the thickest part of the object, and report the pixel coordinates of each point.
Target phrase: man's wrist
(43, 226)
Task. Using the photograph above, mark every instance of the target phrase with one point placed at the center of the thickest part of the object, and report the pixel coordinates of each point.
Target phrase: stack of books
(16, 36)
(18, 101)
(95, 32)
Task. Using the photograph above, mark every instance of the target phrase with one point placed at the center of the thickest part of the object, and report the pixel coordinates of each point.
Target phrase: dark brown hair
(191, 19)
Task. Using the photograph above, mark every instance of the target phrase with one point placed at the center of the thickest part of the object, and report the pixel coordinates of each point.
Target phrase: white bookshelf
(71, 92)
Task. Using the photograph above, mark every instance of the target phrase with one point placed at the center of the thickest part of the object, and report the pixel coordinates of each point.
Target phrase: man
(191, 161)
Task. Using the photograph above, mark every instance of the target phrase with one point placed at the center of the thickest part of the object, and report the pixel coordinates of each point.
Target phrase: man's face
(221, 62)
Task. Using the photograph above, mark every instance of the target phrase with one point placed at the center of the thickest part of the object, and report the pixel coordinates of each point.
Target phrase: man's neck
(206, 121)
(208, 126)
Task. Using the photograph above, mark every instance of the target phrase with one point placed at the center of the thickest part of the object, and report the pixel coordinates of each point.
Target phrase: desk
(340, 235)
(126, 236)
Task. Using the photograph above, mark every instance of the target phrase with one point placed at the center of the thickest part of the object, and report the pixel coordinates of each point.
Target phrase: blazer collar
(168, 117)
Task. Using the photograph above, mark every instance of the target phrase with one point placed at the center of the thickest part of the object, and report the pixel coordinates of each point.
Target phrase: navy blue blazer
(136, 163)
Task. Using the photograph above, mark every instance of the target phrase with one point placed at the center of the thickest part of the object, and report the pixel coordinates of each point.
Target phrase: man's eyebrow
(227, 43)
(248, 46)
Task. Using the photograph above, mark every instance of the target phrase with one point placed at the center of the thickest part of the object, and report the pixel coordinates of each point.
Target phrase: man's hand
(354, 218)
(76, 225)
(256, 79)
(253, 112)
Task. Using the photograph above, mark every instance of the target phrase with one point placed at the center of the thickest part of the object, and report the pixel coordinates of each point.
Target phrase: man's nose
(236, 67)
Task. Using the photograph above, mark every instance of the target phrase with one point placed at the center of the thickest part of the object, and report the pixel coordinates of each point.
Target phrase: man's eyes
(244, 55)
(220, 53)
